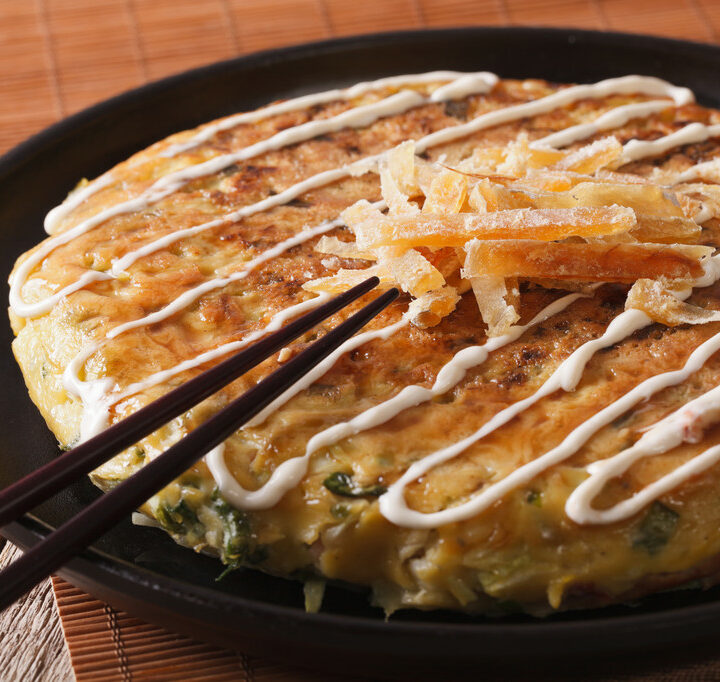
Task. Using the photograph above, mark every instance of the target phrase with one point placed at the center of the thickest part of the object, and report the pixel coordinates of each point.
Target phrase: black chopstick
(29, 491)
(77, 533)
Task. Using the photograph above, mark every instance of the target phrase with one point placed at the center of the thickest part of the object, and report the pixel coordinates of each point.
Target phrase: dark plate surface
(141, 569)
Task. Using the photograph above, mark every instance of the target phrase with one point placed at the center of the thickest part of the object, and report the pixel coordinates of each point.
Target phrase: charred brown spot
(299, 203)
(327, 391)
(622, 420)
(253, 178)
(515, 378)
(257, 171)
(532, 353)
(220, 198)
(426, 124)
(268, 277)
(613, 297)
(654, 331)
(700, 151)
(457, 109)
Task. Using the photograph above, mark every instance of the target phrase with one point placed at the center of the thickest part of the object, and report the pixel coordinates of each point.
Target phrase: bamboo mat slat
(59, 56)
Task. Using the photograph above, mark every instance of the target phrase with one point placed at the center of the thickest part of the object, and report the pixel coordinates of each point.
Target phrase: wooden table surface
(58, 56)
(32, 647)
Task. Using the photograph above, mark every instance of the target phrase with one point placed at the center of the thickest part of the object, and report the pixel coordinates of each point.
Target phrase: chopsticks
(77, 533)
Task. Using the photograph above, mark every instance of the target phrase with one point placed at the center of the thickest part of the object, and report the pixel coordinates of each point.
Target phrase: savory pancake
(532, 425)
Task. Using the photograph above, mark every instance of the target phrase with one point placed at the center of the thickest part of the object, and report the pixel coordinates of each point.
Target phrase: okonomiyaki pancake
(533, 425)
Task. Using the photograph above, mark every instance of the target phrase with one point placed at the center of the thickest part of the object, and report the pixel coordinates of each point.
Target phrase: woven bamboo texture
(109, 645)
(59, 56)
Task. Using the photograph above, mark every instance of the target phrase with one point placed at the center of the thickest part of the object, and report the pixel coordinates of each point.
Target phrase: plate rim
(97, 565)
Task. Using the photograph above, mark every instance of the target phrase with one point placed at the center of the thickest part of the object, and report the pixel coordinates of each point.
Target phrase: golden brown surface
(524, 549)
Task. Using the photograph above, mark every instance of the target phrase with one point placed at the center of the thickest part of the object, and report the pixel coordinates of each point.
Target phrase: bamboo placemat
(59, 56)
(106, 644)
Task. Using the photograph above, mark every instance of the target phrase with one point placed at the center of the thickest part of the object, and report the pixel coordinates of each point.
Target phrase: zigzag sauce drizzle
(356, 117)
(98, 391)
(93, 392)
(634, 149)
(682, 426)
(326, 177)
(288, 474)
(462, 84)
(393, 506)
(567, 376)
(627, 84)
(615, 118)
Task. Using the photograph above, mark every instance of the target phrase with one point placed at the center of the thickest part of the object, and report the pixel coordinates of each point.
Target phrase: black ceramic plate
(141, 569)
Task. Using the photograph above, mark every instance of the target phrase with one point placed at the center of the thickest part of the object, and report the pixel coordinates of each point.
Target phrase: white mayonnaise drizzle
(604, 122)
(685, 425)
(281, 198)
(451, 374)
(96, 403)
(276, 322)
(393, 505)
(56, 215)
(73, 384)
(690, 134)
(92, 393)
(99, 395)
(465, 84)
(610, 120)
(326, 365)
(628, 85)
(191, 295)
(700, 171)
